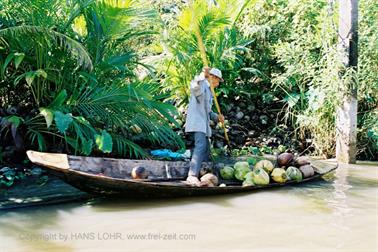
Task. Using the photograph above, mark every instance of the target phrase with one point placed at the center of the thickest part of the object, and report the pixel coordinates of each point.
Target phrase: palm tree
(223, 43)
(85, 95)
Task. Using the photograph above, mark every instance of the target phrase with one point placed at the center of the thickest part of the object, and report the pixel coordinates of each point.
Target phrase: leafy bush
(72, 74)
(62, 90)
(297, 46)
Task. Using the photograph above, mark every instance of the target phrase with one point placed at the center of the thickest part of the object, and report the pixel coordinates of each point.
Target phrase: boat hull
(100, 184)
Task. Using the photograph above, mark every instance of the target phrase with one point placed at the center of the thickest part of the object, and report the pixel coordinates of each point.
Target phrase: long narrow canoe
(109, 176)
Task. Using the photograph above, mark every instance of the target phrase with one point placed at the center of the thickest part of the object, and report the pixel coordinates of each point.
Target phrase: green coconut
(241, 169)
(227, 172)
(260, 177)
(248, 179)
(279, 175)
(293, 173)
(266, 165)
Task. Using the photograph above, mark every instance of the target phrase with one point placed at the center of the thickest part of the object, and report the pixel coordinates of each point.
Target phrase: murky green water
(340, 214)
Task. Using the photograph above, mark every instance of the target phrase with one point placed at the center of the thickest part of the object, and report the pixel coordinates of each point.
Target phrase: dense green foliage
(297, 50)
(68, 81)
(222, 40)
(283, 54)
(94, 77)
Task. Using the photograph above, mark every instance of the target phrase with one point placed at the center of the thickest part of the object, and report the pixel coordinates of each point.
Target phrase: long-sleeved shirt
(199, 111)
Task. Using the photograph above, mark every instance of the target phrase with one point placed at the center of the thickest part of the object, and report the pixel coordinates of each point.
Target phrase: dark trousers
(201, 153)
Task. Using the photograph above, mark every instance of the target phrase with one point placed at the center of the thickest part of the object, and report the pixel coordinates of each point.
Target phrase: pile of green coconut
(263, 172)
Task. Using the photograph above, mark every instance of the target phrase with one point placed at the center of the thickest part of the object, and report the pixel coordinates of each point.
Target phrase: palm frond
(76, 11)
(76, 49)
(123, 106)
(125, 147)
(211, 23)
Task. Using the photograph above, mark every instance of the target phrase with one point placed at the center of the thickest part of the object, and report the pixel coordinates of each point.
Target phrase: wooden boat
(110, 176)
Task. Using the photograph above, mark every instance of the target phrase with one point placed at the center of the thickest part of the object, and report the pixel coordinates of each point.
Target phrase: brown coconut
(209, 178)
(139, 172)
(285, 159)
(206, 183)
(303, 160)
(307, 170)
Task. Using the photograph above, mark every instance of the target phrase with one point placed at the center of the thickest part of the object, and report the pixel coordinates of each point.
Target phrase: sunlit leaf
(41, 73)
(29, 77)
(18, 57)
(104, 142)
(48, 114)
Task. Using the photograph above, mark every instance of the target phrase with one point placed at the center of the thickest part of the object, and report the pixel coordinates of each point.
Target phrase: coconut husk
(192, 181)
(206, 183)
(210, 178)
(303, 160)
(307, 170)
(285, 159)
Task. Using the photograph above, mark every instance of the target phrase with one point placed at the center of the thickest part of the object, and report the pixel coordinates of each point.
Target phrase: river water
(337, 214)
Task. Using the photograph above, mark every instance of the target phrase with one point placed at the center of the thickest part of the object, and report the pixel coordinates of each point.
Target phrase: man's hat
(216, 72)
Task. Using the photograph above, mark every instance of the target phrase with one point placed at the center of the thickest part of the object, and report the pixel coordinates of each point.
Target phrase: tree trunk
(346, 119)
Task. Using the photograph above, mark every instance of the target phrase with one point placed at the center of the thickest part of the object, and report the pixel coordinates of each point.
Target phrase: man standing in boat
(198, 118)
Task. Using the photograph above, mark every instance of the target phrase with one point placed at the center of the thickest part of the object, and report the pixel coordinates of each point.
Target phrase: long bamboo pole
(206, 64)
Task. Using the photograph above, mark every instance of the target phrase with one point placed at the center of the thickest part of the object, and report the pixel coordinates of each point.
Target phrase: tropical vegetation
(108, 77)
